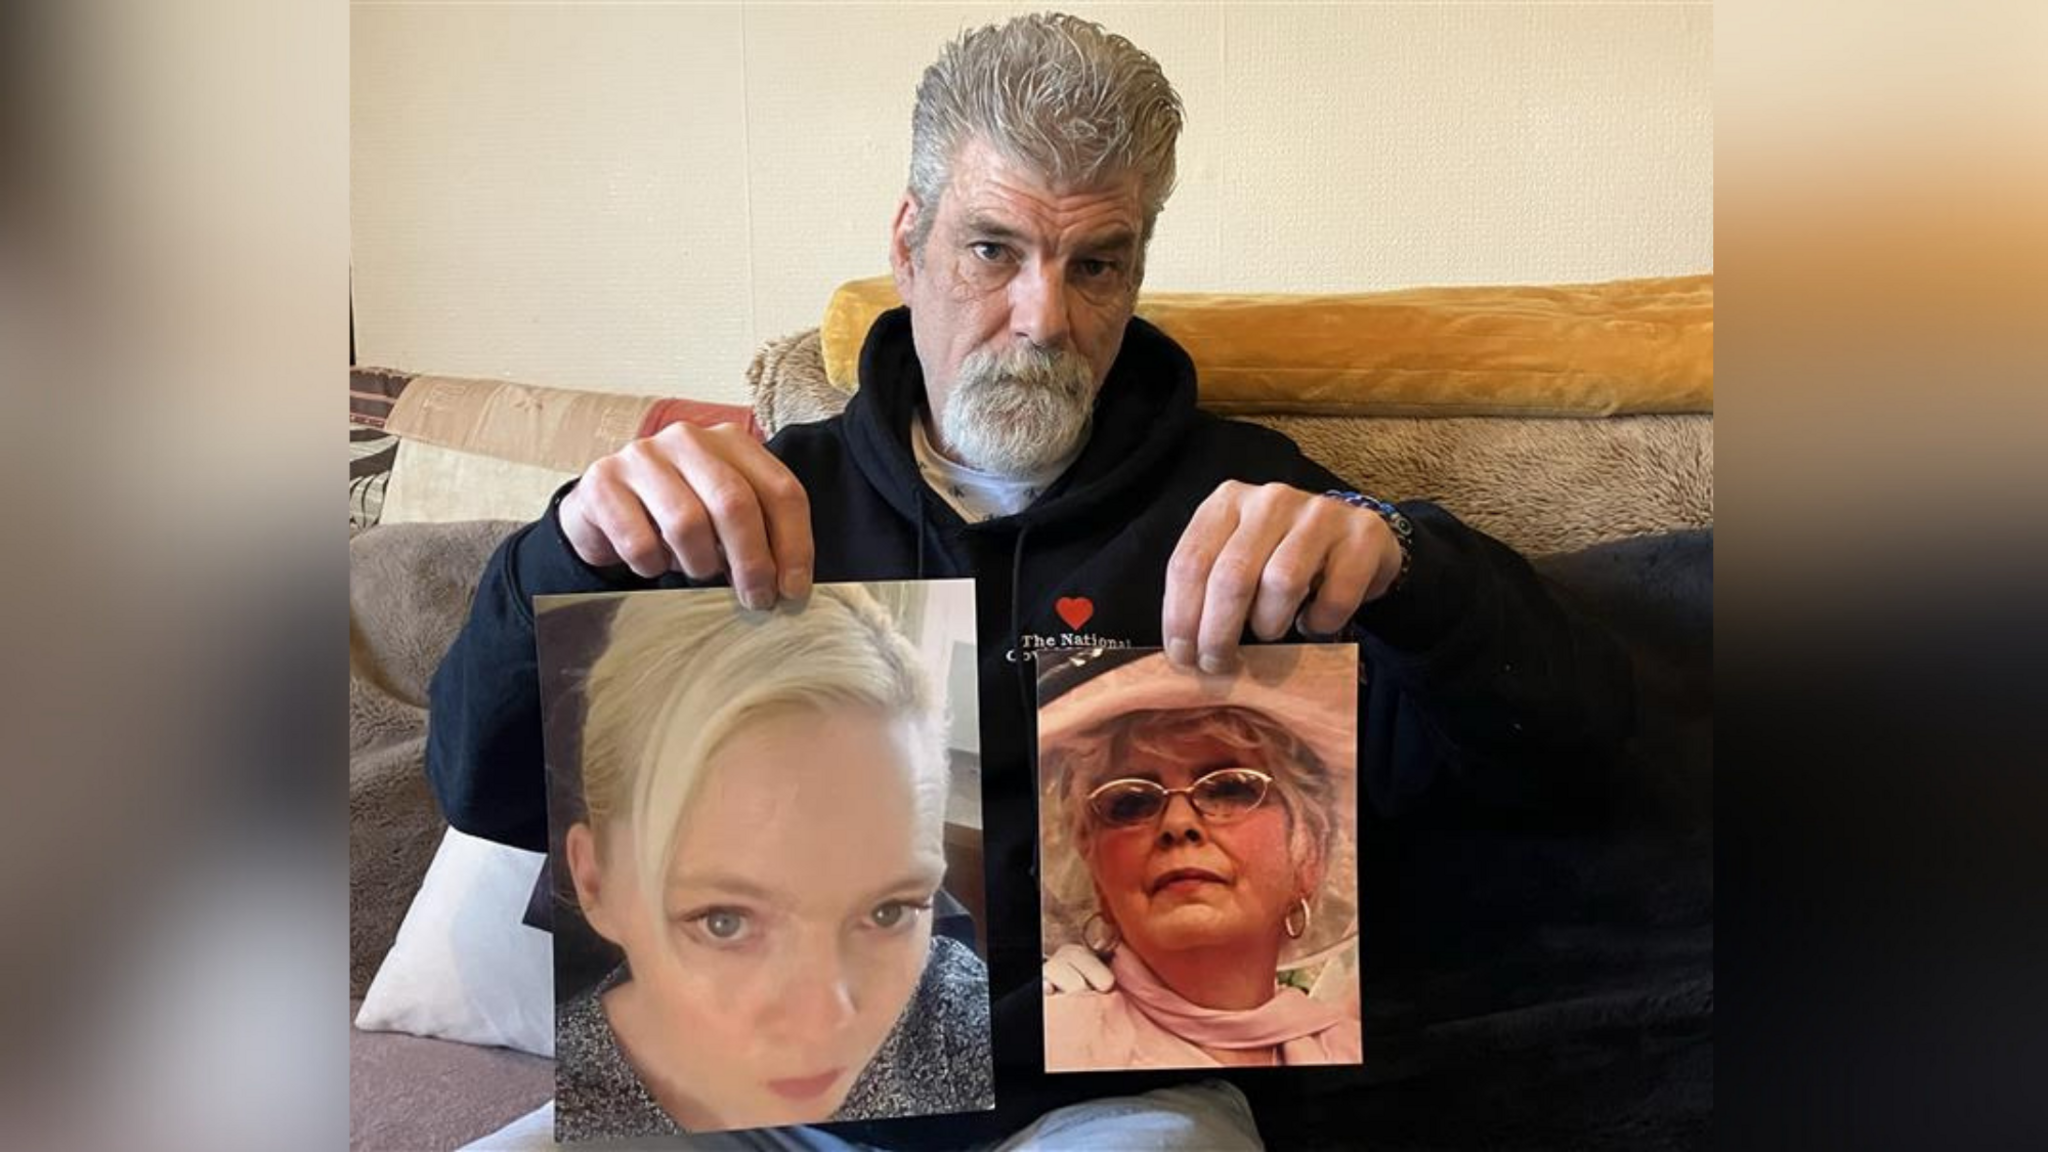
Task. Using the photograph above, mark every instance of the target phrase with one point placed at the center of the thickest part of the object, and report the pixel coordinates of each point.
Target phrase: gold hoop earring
(1307, 918)
(1088, 934)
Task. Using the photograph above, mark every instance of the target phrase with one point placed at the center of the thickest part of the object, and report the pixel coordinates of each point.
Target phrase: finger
(1291, 573)
(583, 534)
(1065, 977)
(1347, 576)
(1094, 971)
(1074, 967)
(786, 508)
(610, 505)
(736, 521)
(681, 519)
(1233, 582)
(1187, 572)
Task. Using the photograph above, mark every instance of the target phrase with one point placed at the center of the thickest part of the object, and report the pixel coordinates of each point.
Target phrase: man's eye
(987, 250)
(1094, 269)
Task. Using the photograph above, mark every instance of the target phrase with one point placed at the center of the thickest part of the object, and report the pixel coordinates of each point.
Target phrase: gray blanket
(409, 591)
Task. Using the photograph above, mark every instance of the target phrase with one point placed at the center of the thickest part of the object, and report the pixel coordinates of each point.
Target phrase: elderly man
(1017, 424)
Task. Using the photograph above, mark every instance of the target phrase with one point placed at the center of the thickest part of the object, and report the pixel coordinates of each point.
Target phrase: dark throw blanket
(1557, 991)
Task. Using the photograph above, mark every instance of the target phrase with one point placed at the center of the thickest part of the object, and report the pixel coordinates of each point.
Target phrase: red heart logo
(1075, 610)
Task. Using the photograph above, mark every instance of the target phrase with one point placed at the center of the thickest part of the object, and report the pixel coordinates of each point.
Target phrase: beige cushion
(558, 428)
(432, 483)
(474, 449)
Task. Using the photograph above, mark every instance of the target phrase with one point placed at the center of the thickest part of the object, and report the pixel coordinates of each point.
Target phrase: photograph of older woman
(1199, 879)
(759, 832)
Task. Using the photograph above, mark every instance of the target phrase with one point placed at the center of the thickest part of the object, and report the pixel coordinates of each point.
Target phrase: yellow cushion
(1616, 348)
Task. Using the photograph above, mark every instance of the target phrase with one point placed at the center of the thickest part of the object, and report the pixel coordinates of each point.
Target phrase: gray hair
(1304, 787)
(1057, 93)
(1301, 782)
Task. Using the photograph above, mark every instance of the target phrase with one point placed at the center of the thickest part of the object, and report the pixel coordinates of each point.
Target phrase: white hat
(1311, 690)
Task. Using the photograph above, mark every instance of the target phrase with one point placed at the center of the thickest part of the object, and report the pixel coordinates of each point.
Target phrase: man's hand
(701, 501)
(1074, 968)
(1260, 552)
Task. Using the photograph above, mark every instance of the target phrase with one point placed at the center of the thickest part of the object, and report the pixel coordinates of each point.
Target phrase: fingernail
(1180, 652)
(1215, 665)
(758, 599)
(794, 581)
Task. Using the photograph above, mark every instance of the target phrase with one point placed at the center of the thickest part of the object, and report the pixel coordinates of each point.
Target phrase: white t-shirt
(978, 495)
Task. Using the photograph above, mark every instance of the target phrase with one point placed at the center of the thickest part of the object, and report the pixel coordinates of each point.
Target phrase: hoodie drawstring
(1026, 667)
(920, 539)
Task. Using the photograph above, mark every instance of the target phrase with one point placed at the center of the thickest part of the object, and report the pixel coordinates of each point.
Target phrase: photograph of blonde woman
(761, 825)
(1199, 900)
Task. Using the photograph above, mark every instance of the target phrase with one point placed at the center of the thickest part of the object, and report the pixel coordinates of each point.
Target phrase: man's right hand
(701, 501)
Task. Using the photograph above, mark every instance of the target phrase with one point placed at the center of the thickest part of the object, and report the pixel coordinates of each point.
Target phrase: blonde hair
(684, 672)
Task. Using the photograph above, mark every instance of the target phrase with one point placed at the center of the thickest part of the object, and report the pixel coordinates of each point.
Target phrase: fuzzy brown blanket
(408, 592)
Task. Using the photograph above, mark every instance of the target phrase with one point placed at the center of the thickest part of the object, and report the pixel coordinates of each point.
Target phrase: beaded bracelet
(1404, 532)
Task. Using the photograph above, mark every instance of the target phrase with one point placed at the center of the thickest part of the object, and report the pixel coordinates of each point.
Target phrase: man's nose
(1038, 305)
(1180, 821)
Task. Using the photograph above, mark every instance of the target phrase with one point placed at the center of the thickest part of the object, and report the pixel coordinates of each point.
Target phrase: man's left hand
(1274, 555)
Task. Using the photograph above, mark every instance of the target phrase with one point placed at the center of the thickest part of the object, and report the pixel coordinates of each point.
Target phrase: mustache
(1060, 371)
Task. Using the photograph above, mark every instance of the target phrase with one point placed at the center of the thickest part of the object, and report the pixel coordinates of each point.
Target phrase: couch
(1572, 422)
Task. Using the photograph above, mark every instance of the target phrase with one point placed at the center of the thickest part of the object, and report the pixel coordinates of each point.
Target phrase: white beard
(1019, 412)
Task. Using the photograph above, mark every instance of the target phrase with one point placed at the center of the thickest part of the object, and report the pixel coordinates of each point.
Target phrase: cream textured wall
(633, 197)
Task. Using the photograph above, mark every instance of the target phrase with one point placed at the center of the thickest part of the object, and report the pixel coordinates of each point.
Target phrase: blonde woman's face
(797, 920)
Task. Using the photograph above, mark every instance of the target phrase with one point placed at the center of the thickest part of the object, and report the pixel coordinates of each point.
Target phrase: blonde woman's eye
(894, 914)
(721, 925)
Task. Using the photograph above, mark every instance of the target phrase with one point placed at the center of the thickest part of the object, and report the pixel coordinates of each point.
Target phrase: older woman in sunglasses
(1196, 837)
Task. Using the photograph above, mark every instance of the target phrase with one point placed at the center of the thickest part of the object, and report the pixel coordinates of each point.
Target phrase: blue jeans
(1211, 1114)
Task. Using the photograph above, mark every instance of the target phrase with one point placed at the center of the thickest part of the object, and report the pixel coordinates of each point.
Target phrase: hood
(1141, 415)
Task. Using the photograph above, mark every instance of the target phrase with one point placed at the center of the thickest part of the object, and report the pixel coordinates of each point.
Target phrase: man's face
(1018, 305)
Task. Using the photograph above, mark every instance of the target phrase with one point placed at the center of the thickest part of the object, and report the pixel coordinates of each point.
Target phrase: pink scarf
(1290, 1021)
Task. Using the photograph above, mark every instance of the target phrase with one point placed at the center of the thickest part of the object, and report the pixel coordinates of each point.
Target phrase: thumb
(1094, 971)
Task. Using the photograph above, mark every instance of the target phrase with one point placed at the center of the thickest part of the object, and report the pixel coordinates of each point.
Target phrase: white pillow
(463, 966)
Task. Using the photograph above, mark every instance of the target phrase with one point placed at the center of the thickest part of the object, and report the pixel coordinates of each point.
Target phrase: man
(1015, 423)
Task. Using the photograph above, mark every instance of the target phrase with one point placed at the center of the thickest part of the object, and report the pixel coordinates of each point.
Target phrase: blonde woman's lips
(805, 1087)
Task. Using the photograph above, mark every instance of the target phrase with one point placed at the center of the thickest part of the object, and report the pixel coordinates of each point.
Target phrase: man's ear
(901, 260)
(586, 869)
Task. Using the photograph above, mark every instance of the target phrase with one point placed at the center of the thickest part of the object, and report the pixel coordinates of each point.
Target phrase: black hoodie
(1486, 704)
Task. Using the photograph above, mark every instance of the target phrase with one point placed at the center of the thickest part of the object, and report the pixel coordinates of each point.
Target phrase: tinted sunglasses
(1223, 795)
